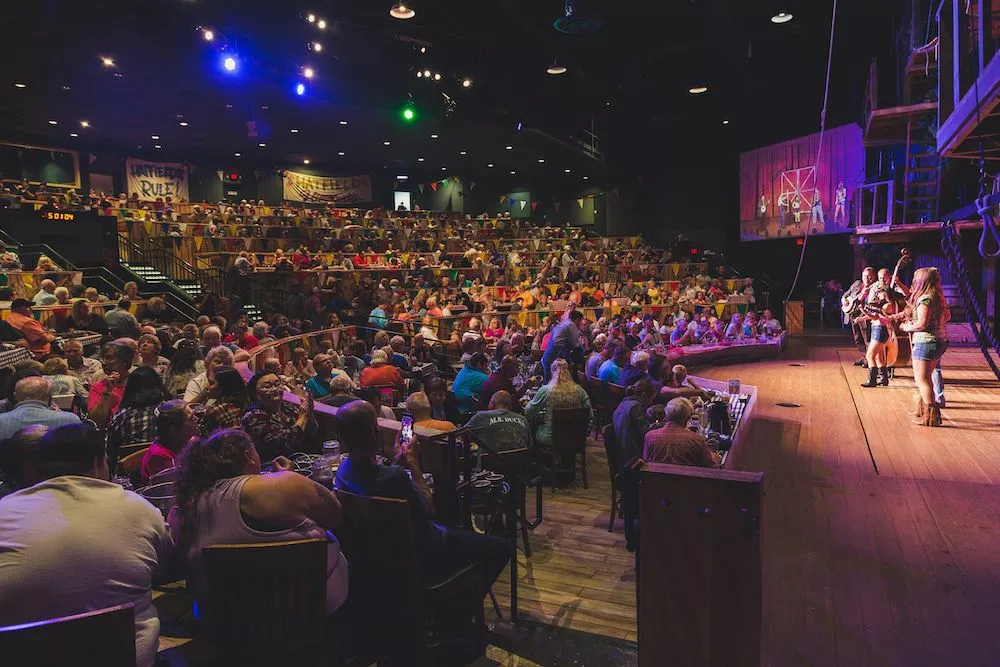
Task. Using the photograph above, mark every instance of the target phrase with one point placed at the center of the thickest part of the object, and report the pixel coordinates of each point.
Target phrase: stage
(881, 539)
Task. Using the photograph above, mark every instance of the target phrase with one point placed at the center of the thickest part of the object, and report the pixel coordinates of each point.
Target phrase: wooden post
(956, 53)
(699, 567)
(906, 171)
(982, 28)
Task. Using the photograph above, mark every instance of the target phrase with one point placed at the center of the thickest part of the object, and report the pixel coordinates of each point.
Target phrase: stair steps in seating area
(146, 273)
(253, 313)
(193, 289)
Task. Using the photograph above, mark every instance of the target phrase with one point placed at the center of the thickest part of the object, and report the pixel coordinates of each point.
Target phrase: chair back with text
(267, 602)
(101, 638)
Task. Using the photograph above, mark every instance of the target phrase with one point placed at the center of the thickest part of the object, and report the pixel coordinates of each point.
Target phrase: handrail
(48, 251)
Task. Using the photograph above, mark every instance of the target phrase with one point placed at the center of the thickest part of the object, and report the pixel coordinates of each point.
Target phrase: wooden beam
(956, 54)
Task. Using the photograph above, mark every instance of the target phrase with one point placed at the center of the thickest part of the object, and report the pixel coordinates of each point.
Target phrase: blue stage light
(300, 89)
(230, 63)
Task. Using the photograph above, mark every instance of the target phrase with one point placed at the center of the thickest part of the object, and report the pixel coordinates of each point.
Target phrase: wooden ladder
(921, 180)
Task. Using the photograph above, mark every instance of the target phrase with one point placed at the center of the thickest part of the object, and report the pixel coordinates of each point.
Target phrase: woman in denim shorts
(928, 313)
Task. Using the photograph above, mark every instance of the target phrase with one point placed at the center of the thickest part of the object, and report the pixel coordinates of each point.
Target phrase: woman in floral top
(276, 426)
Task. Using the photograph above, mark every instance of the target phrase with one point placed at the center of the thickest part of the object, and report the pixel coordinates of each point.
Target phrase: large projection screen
(783, 190)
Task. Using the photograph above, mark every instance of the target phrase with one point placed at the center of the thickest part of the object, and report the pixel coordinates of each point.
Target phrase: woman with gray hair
(198, 389)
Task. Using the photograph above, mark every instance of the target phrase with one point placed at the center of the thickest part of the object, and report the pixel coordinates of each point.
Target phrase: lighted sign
(58, 215)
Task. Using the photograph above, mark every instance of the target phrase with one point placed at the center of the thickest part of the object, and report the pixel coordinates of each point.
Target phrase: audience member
(564, 342)
(443, 403)
(185, 365)
(499, 427)
(229, 393)
(277, 427)
(419, 405)
(106, 394)
(630, 421)
(599, 356)
(223, 499)
(45, 296)
(85, 369)
(121, 321)
(468, 384)
(149, 355)
(198, 389)
(135, 420)
(440, 550)
(32, 400)
(19, 461)
(611, 370)
(340, 392)
(76, 542)
(20, 319)
(560, 393)
(319, 385)
(56, 370)
(503, 380)
(380, 373)
(675, 443)
(176, 424)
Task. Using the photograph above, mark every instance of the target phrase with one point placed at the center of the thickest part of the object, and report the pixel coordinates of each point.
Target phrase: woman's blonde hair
(563, 391)
(55, 366)
(927, 282)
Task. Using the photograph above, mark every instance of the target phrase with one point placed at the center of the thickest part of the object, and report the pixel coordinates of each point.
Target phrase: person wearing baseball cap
(39, 341)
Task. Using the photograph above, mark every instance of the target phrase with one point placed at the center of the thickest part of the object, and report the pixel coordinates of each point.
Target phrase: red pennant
(434, 186)
(534, 205)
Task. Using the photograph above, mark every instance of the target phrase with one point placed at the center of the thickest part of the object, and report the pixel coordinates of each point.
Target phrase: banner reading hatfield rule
(156, 179)
(297, 186)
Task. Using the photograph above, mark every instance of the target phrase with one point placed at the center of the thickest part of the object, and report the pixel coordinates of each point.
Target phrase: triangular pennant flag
(512, 203)
(93, 158)
(421, 186)
(434, 186)
(455, 178)
(720, 306)
(557, 205)
(445, 182)
(198, 240)
(219, 174)
(148, 226)
(472, 186)
(524, 203)
(580, 202)
(534, 205)
(503, 199)
(538, 243)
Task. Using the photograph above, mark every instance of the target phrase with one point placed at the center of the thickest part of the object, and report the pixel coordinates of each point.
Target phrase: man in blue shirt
(564, 342)
(469, 382)
(611, 370)
(33, 398)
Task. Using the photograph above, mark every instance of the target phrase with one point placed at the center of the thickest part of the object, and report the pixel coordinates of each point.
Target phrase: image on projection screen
(784, 191)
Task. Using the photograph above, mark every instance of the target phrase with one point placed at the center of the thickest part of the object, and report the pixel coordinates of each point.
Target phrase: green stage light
(409, 114)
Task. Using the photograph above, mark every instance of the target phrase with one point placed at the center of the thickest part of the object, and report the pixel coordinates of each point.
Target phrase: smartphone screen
(406, 433)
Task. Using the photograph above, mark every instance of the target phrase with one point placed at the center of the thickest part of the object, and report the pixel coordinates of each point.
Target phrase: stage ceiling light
(306, 161)
(434, 136)
(725, 122)
(512, 172)
(237, 154)
(294, 131)
(107, 61)
(566, 170)
(84, 123)
(541, 160)
(781, 17)
(157, 146)
(262, 145)
(490, 165)
(208, 35)
(155, 137)
(74, 135)
(427, 73)
(466, 83)
(308, 72)
(316, 46)
(437, 76)
(343, 122)
(229, 64)
(698, 90)
(386, 143)
(183, 123)
(401, 11)
(510, 148)
(321, 24)
(420, 74)
(311, 18)
(420, 159)
(300, 88)
(556, 68)
(52, 122)
(20, 85)
(462, 153)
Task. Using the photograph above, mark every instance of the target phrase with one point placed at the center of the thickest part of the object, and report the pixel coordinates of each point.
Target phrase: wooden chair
(613, 450)
(569, 439)
(266, 603)
(597, 394)
(388, 598)
(615, 394)
(101, 638)
(132, 463)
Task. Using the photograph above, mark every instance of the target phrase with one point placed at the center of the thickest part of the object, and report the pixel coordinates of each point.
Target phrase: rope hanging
(819, 150)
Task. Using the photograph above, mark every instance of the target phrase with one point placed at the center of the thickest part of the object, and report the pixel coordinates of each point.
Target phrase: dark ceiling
(629, 81)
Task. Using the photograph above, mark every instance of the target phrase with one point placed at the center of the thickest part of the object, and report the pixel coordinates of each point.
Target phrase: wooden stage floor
(881, 539)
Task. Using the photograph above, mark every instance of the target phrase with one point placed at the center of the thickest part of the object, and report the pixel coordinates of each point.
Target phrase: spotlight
(725, 122)
(698, 90)
(420, 159)
(157, 146)
(20, 85)
(466, 83)
(462, 153)
(541, 160)
(341, 153)
(420, 74)
(315, 46)
(408, 114)
(237, 154)
(512, 172)
(84, 123)
(183, 123)
(556, 68)
(74, 135)
(386, 143)
(566, 170)
(229, 64)
(308, 72)
(321, 24)
(311, 18)
(402, 178)
(155, 137)
(300, 89)
(490, 165)
(437, 76)
(510, 148)
(343, 122)
(262, 145)
(401, 11)
(207, 34)
(781, 17)
(586, 178)
(107, 62)
(444, 168)
(294, 131)
(434, 136)
(427, 73)
(306, 161)
(423, 49)
(52, 122)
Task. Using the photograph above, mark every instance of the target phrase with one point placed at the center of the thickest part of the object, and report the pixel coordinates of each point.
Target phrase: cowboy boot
(921, 408)
(872, 373)
(884, 376)
(933, 415)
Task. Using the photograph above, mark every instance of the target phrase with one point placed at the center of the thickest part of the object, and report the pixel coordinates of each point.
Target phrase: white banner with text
(297, 186)
(157, 179)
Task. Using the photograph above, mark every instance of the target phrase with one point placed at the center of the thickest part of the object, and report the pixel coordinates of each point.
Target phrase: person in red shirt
(176, 423)
(39, 340)
(106, 394)
(381, 373)
(241, 335)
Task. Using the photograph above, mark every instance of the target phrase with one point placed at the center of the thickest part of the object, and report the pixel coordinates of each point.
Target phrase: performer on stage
(925, 318)
(840, 204)
(851, 305)
(762, 207)
(796, 207)
(816, 213)
(782, 209)
(881, 303)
